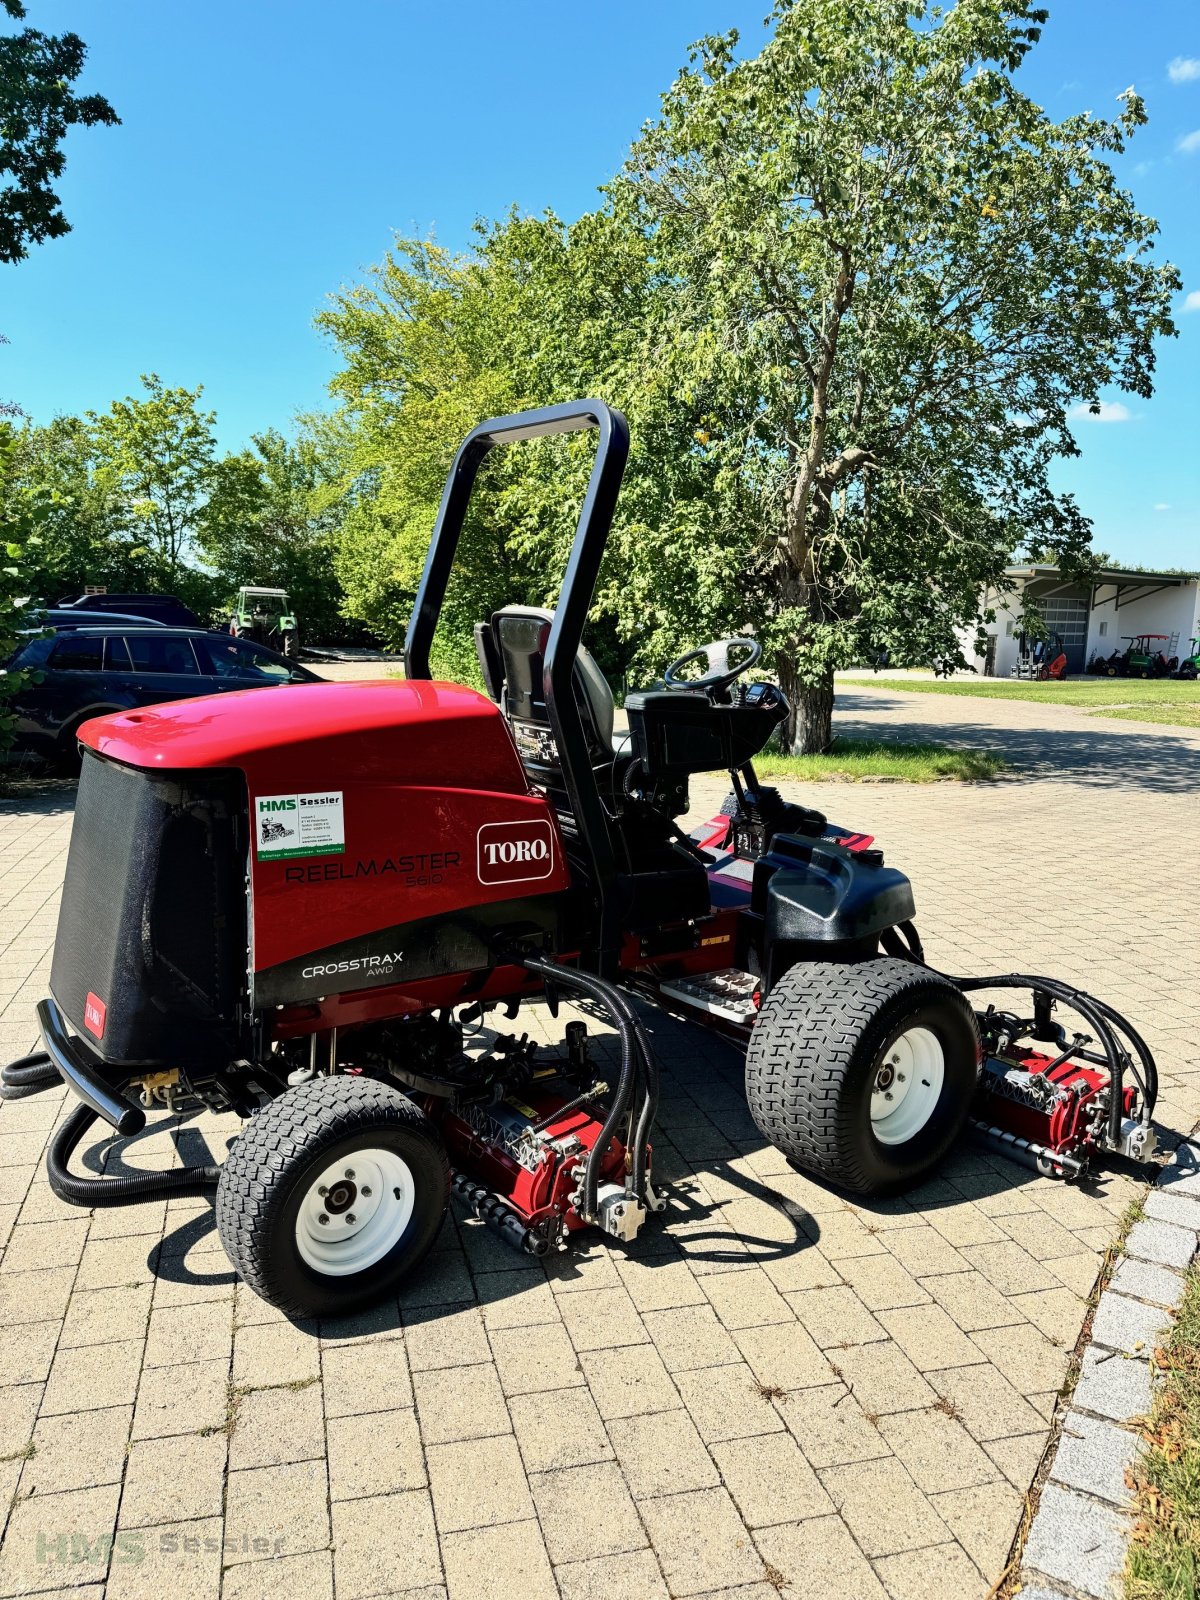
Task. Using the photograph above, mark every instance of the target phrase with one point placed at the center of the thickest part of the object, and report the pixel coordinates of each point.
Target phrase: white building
(1093, 618)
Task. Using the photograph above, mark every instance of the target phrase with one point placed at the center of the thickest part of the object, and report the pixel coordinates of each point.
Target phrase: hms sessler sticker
(299, 825)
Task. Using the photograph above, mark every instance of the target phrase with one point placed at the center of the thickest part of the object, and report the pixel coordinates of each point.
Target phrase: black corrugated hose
(116, 1191)
(27, 1075)
(33, 1073)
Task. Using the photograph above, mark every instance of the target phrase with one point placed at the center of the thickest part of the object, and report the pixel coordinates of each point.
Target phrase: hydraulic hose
(598, 991)
(649, 1109)
(1149, 1082)
(28, 1075)
(635, 1060)
(1099, 1016)
(115, 1191)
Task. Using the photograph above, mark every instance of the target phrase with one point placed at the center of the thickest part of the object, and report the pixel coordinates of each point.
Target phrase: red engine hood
(372, 807)
(305, 735)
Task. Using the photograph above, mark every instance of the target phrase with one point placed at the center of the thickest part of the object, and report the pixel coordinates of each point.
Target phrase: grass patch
(1074, 692)
(1164, 1557)
(1163, 700)
(859, 760)
(1179, 716)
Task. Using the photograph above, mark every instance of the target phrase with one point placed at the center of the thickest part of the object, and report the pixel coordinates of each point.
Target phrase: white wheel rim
(908, 1085)
(354, 1212)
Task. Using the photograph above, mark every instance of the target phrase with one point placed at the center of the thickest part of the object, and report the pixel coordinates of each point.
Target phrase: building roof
(1123, 577)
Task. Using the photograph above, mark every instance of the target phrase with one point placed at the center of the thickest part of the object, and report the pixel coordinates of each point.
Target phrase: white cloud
(1190, 142)
(1109, 411)
(1183, 69)
(1162, 506)
(1192, 303)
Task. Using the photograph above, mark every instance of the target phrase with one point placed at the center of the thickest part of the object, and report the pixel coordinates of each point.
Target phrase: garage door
(1068, 617)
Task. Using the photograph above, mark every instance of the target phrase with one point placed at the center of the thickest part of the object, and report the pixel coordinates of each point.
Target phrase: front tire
(864, 1073)
(354, 1152)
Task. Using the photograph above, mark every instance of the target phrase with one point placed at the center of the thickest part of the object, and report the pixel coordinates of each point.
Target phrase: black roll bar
(566, 634)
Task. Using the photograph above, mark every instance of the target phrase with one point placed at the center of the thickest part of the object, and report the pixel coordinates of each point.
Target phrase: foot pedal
(732, 995)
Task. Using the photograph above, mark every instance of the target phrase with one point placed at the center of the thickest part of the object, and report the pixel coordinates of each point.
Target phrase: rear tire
(827, 1057)
(308, 1155)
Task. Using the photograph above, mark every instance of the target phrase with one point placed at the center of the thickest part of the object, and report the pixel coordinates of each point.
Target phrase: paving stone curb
(1078, 1536)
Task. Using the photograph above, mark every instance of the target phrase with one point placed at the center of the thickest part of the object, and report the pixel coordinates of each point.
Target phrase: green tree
(37, 106)
(22, 515)
(847, 291)
(426, 356)
(891, 274)
(154, 453)
(87, 533)
(434, 342)
(265, 522)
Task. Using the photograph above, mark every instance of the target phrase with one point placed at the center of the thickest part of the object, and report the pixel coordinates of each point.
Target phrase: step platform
(729, 994)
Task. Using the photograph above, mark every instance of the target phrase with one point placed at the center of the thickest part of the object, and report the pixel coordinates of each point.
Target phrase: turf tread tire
(806, 1051)
(294, 1132)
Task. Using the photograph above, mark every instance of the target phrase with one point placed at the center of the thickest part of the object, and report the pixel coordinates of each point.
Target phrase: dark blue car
(68, 617)
(88, 672)
(155, 607)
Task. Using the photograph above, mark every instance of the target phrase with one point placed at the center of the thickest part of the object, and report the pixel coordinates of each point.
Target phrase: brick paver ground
(774, 1386)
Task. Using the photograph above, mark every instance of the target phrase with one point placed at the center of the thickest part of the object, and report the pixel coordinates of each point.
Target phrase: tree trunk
(809, 730)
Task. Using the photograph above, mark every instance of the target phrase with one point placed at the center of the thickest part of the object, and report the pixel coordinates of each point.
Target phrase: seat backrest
(520, 634)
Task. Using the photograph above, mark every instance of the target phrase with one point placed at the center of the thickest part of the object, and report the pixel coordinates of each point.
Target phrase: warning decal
(299, 825)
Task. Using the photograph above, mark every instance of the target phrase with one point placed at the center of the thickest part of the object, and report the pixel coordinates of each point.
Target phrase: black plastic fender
(821, 901)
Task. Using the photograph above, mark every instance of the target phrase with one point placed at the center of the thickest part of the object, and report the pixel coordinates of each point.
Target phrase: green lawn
(1164, 1557)
(1179, 715)
(852, 760)
(1131, 699)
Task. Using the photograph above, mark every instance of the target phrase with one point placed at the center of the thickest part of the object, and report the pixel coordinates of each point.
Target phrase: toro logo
(515, 852)
(94, 1012)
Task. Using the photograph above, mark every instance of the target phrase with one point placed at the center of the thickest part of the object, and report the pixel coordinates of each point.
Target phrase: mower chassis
(768, 927)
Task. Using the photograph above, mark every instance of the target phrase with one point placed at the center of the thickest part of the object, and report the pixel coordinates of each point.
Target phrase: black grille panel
(153, 913)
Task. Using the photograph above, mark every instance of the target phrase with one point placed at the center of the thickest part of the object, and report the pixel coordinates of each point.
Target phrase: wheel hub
(341, 1197)
(352, 1214)
(908, 1085)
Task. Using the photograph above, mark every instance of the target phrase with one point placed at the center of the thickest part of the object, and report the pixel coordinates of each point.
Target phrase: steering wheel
(719, 674)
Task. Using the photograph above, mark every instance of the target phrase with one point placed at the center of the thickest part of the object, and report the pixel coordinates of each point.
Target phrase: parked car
(155, 607)
(39, 617)
(88, 672)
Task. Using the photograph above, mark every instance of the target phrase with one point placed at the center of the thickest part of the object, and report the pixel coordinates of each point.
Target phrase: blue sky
(270, 147)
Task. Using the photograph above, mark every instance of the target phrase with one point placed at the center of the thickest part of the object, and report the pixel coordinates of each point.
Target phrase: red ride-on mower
(305, 908)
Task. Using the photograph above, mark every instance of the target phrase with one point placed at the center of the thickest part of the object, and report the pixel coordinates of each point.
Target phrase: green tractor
(1144, 658)
(1189, 667)
(266, 616)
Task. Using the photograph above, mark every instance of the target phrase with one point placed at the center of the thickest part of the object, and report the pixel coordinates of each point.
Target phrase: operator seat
(512, 652)
(658, 878)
